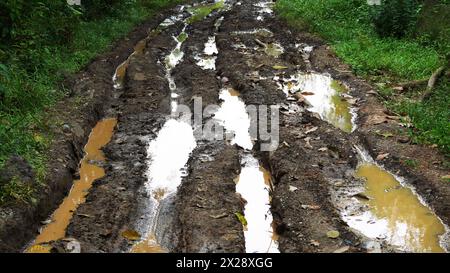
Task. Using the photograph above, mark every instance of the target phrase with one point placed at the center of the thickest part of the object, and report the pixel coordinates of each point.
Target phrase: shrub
(395, 18)
(94, 9)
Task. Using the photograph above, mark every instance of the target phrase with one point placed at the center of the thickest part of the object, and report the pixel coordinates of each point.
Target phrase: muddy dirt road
(323, 171)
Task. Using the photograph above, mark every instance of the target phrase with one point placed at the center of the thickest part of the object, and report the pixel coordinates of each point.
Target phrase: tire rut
(313, 160)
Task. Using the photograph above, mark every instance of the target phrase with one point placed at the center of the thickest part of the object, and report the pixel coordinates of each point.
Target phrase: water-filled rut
(167, 184)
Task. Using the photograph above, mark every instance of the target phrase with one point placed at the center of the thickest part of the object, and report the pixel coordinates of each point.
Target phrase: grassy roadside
(30, 78)
(347, 26)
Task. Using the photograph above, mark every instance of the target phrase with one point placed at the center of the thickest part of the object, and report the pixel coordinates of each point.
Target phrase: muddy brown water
(148, 245)
(401, 217)
(100, 136)
(327, 97)
(395, 214)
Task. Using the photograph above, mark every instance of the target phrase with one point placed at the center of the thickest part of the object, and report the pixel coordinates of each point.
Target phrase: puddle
(391, 212)
(171, 61)
(100, 136)
(148, 245)
(207, 60)
(119, 75)
(210, 46)
(206, 63)
(232, 114)
(325, 96)
(254, 185)
(168, 155)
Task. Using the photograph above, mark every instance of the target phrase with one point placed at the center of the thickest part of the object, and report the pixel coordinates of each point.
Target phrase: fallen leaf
(313, 207)
(342, 249)
(333, 234)
(382, 156)
(241, 218)
(308, 144)
(314, 243)
(323, 149)
(362, 196)
(84, 215)
(376, 119)
(398, 88)
(446, 177)
(393, 117)
(131, 235)
(384, 134)
(279, 67)
(306, 93)
(299, 97)
(46, 222)
(222, 215)
(287, 144)
(292, 188)
(313, 129)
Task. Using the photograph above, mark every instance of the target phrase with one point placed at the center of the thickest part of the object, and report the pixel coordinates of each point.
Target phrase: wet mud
(191, 196)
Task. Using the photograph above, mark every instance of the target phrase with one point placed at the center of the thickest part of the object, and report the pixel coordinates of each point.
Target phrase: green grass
(431, 118)
(27, 93)
(200, 12)
(346, 26)
(17, 191)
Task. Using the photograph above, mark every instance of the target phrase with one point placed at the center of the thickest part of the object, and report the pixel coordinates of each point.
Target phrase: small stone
(292, 188)
(66, 128)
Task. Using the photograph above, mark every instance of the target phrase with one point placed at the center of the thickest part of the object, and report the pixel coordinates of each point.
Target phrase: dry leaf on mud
(313, 207)
(314, 243)
(376, 119)
(313, 129)
(308, 144)
(222, 215)
(382, 156)
(279, 67)
(393, 117)
(299, 97)
(384, 134)
(131, 235)
(342, 249)
(333, 234)
(323, 149)
(241, 218)
(362, 196)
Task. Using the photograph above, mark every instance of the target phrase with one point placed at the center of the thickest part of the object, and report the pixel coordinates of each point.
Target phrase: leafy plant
(395, 17)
